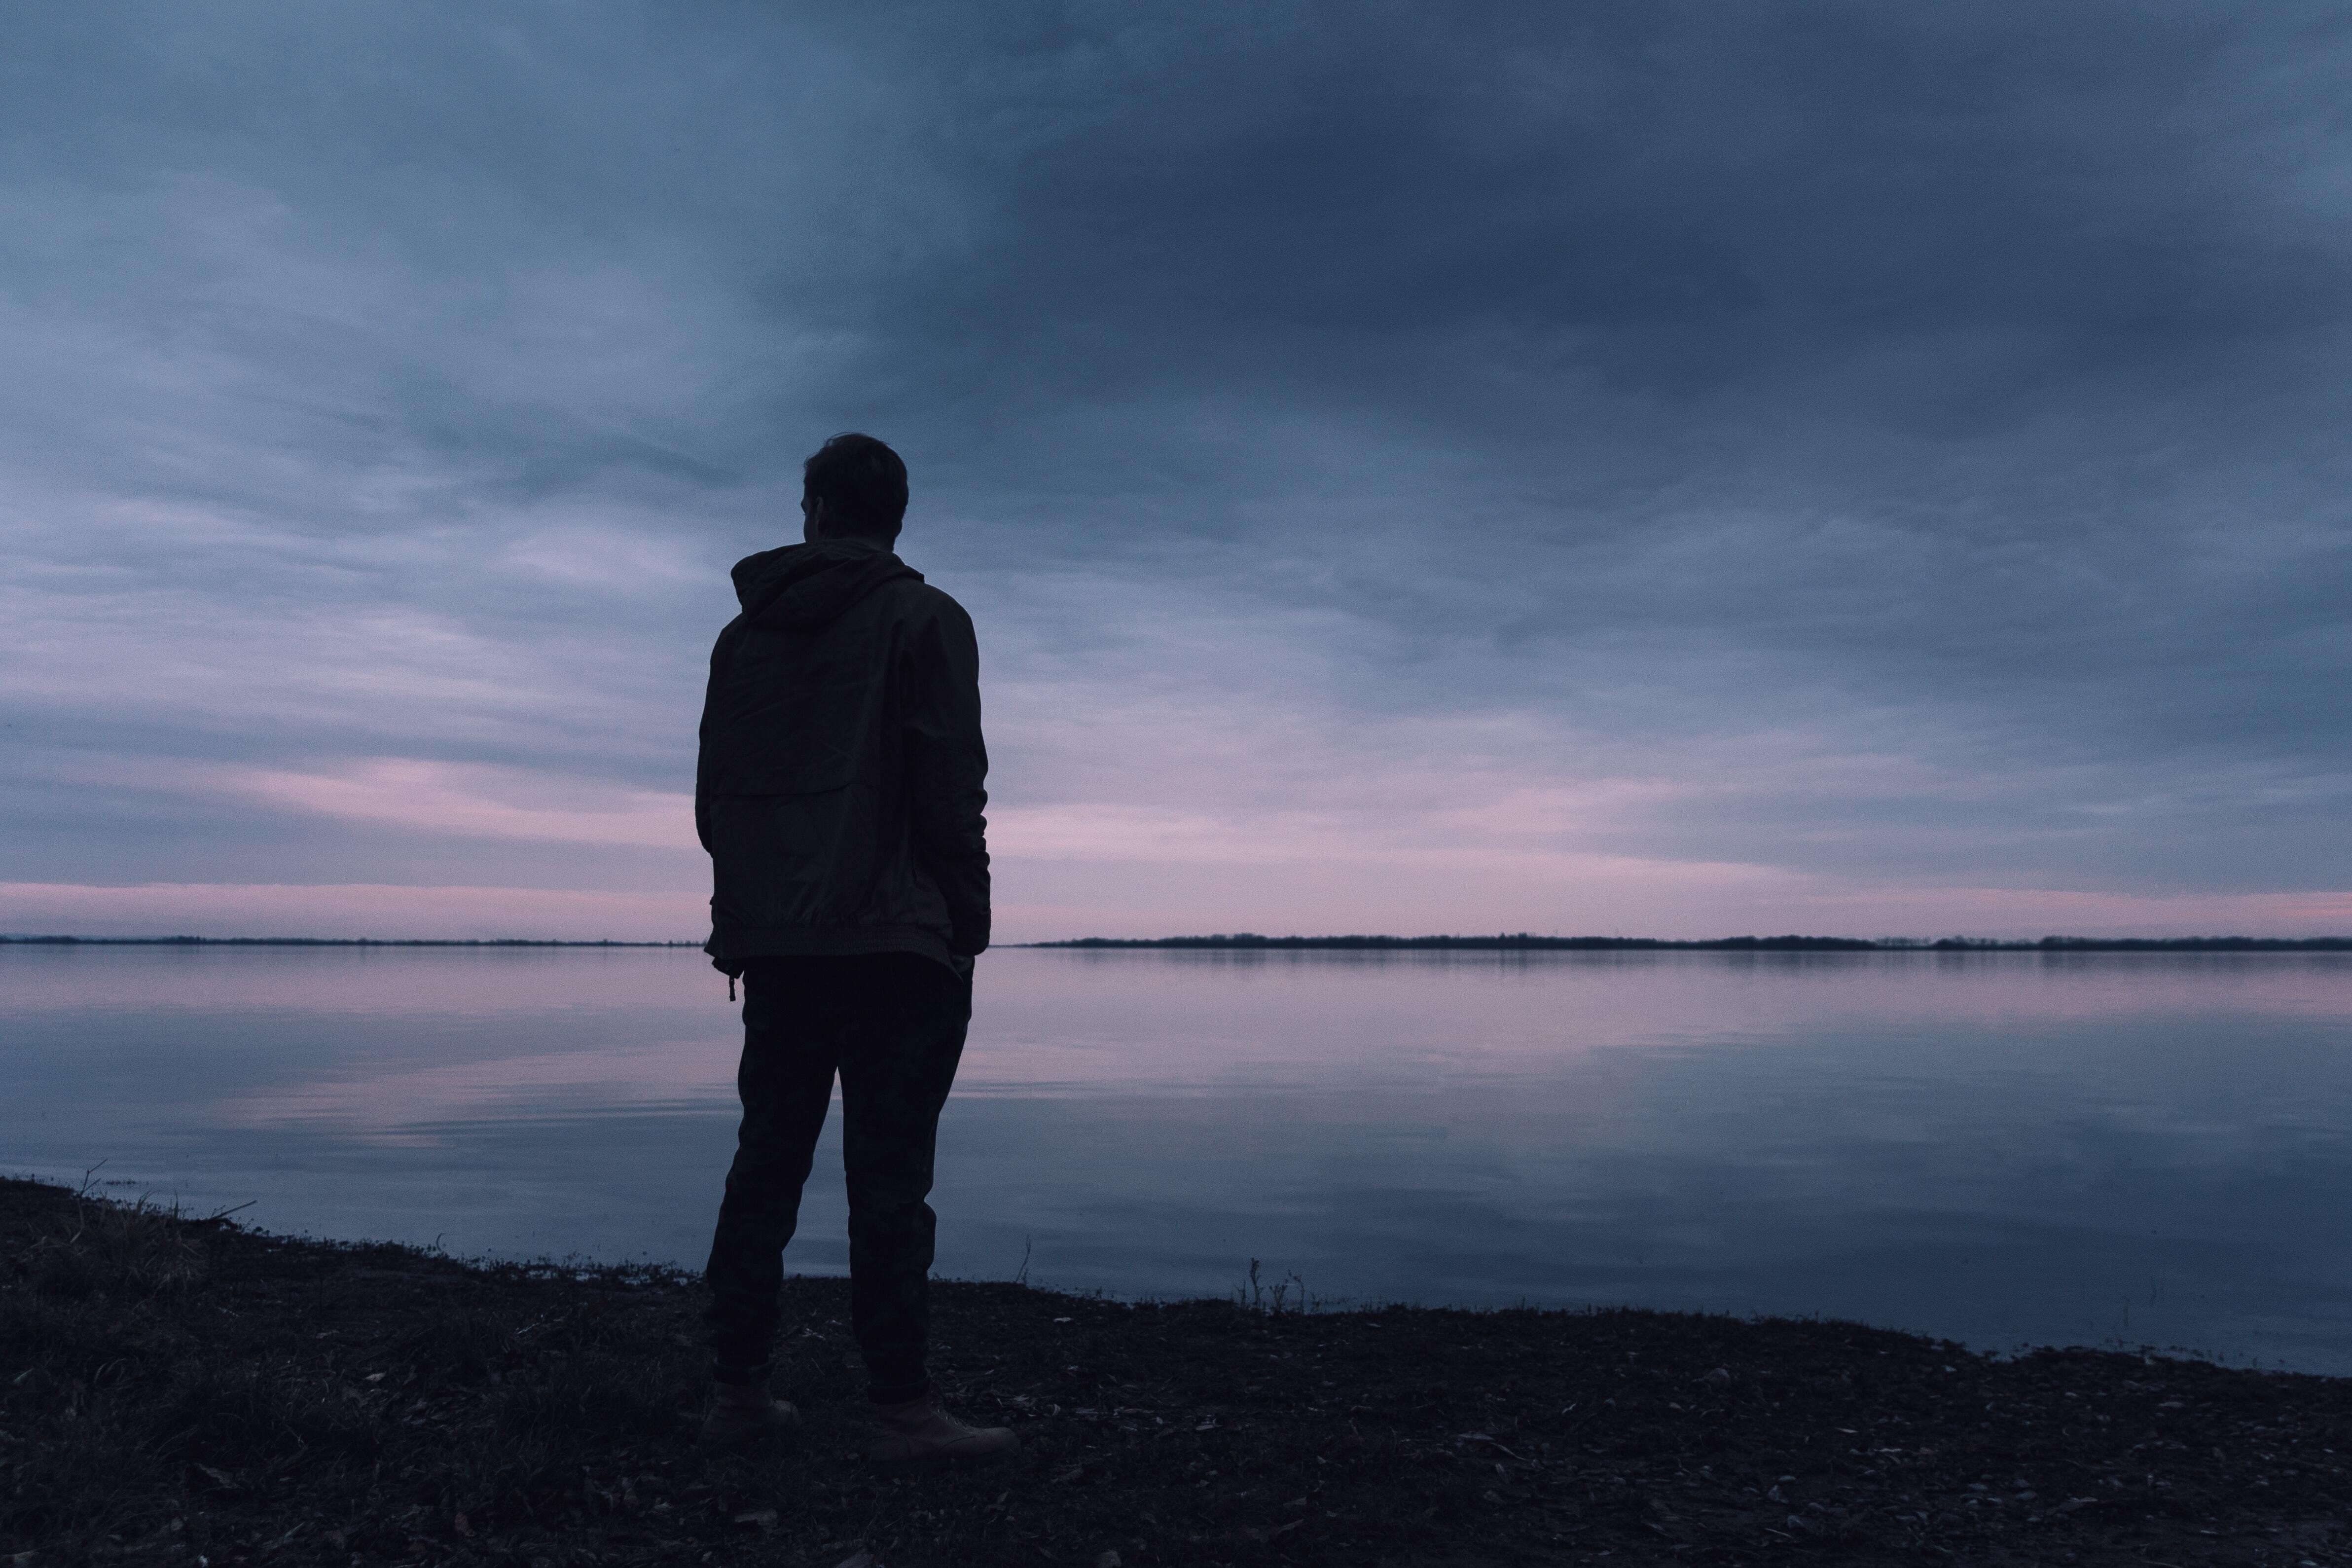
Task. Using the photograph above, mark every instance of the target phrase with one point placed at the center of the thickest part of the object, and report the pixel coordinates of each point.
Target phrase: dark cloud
(1898, 447)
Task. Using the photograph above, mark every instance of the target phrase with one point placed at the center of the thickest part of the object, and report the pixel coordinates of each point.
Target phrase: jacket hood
(801, 587)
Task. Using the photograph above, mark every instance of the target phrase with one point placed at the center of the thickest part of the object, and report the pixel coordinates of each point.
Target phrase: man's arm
(706, 765)
(947, 766)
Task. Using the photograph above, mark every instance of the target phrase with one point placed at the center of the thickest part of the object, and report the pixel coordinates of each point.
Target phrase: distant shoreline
(1523, 941)
(1250, 942)
(315, 941)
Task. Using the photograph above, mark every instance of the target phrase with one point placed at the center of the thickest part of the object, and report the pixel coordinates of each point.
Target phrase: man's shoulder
(913, 597)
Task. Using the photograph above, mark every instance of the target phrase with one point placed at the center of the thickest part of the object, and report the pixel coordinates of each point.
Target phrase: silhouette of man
(839, 794)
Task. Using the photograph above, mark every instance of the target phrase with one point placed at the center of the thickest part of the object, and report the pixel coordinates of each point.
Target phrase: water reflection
(2002, 1148)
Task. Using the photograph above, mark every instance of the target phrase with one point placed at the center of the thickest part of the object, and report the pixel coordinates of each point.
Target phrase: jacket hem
(728, 953)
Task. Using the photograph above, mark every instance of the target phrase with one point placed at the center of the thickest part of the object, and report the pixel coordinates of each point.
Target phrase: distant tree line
(1526, 942)
(1502, 941)
(314, 942)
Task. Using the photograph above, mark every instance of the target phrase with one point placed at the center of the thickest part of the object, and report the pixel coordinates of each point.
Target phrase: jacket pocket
(792, 859)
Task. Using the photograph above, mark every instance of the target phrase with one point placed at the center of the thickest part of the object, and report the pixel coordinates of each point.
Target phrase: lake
(2006, 1149)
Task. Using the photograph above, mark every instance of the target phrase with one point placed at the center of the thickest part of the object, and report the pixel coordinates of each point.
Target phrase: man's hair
(862, 483)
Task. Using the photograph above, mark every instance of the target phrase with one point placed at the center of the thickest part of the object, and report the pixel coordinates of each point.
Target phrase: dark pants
(892, 1025)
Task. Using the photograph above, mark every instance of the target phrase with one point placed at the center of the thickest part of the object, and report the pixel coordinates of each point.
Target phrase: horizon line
(28, 940)
(1248, 941)
(1528, 940)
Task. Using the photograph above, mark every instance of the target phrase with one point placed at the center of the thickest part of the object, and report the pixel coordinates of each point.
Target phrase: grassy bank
(173, 1390)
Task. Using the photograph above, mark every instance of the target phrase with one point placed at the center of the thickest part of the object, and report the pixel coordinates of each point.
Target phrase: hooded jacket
(839, 786)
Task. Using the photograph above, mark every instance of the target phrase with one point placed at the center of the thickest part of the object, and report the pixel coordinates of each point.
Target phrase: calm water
(2003, 1149)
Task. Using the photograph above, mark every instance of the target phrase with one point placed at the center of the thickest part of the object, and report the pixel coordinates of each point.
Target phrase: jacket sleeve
(947, 766)
(707, 758)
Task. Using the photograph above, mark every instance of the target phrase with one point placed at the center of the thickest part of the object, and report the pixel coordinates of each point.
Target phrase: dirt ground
(196, 1393)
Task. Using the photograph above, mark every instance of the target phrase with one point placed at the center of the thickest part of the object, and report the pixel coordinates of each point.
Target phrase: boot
(745, 1413)
(918, 1432)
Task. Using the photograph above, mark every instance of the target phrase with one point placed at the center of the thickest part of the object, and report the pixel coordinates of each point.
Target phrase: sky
(1643, 468)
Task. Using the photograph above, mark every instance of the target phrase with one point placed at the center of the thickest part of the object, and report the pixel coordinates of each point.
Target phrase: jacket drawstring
(730, 988)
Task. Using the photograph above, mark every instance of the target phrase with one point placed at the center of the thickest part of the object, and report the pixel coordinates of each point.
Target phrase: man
(839, 796)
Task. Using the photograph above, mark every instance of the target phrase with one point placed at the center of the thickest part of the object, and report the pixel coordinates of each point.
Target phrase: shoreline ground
(176, 1389)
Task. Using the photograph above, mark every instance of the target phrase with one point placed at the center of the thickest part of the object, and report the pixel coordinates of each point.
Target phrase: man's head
(853, 487)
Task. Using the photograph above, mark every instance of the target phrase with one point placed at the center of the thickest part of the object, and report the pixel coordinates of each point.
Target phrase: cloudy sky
(1665, 468)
